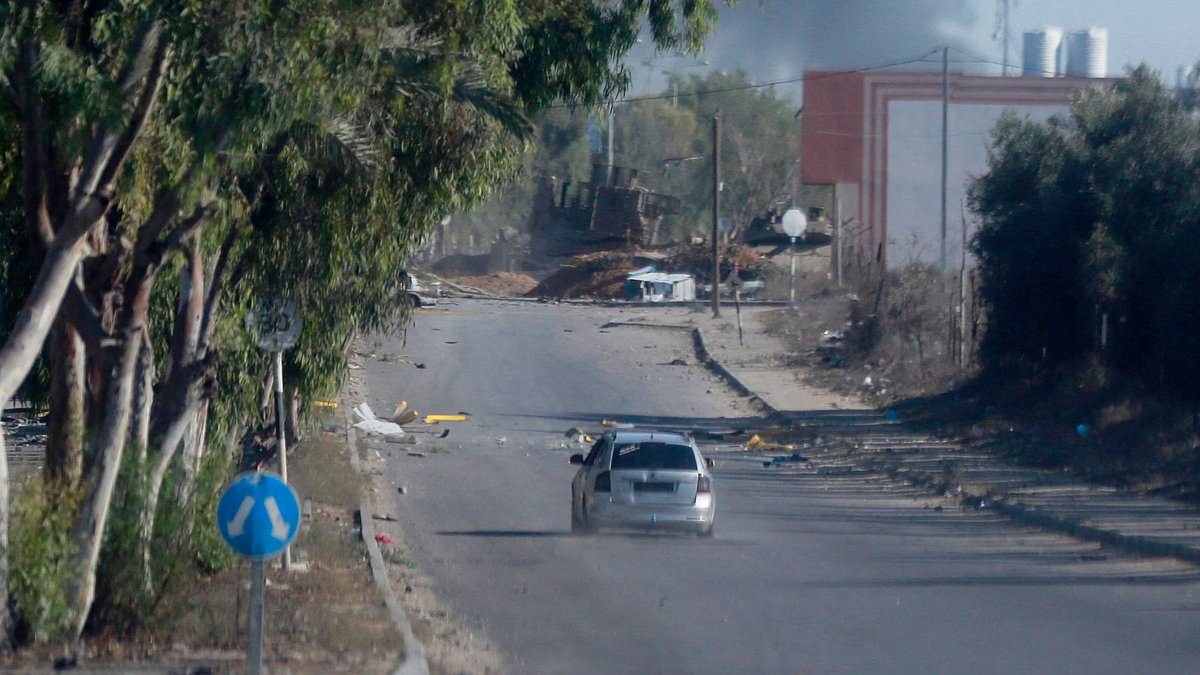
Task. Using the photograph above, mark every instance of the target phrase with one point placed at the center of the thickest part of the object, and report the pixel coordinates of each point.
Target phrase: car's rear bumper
(691, 517)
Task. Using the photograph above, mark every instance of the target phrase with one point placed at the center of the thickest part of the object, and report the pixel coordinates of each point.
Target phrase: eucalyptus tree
(169, 137)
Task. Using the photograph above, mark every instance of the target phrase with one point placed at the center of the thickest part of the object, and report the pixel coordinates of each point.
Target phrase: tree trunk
(64, 443)
(293, 417)
(193, 454)
(109, 447)
(6, 623)
(143, 400)
(170, 439)
(33, 323)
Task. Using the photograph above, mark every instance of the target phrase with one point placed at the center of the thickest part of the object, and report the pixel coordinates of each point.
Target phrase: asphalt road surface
(807, 573)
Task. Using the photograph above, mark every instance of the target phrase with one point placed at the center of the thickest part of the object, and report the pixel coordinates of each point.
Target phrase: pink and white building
(877, 137)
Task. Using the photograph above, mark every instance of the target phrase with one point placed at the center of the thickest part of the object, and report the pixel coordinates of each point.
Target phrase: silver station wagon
(643, 479)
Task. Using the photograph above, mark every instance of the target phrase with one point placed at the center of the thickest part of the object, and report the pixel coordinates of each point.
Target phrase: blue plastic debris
(1082, 429)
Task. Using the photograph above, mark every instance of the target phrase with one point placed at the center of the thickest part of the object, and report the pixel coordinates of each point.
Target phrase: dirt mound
(500, 283)
(602, 274)
(697, 260)
(594, 275)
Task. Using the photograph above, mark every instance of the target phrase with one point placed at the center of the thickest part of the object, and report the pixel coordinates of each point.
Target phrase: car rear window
(653, 456)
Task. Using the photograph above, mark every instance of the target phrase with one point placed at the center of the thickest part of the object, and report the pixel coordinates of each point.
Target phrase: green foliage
(185, 543)
(40, 553)
(1096, 214)
(329, 137)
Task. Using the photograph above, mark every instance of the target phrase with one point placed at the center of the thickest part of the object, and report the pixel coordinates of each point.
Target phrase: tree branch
(85, 318)
(141, 113)
(182, 231)
(215, 287)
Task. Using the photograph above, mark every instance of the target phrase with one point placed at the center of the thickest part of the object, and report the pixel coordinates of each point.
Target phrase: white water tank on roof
(1040, 50)
(1087, 53)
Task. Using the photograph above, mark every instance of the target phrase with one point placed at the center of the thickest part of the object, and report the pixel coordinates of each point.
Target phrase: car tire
(579, 524)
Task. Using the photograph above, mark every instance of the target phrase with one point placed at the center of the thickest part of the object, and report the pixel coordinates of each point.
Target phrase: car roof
(647, 436)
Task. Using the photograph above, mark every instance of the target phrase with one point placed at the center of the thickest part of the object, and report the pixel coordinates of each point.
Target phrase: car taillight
(703, 485)
(603, 483)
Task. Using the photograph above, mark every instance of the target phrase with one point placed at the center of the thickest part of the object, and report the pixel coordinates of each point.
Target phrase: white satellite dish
(794, 223)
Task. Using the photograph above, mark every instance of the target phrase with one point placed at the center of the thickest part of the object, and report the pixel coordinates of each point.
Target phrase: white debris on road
(371, 424)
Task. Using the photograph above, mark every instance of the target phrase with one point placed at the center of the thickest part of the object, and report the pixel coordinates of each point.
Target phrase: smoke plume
(779, 39)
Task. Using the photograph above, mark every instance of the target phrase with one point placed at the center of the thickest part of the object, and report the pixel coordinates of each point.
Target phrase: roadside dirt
(324, 617)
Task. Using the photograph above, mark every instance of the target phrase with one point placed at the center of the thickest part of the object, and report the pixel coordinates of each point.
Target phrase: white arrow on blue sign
(258, 515)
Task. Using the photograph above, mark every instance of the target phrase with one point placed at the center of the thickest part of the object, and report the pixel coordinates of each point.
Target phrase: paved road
(808, 573)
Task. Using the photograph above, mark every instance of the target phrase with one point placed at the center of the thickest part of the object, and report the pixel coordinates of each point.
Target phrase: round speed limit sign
(276, 324)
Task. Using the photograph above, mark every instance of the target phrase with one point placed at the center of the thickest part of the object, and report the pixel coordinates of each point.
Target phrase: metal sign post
(258, 516)
(792, 286)
(281, 438)
(794, 224)
(277, 325)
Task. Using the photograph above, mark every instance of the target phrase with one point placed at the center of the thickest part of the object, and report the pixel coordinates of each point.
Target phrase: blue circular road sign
(258, 515)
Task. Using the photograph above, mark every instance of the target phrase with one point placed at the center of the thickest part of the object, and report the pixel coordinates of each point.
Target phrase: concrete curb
(414, 662)
(1016, 511)
(700, 348)
(1021, 513)
(715, 366)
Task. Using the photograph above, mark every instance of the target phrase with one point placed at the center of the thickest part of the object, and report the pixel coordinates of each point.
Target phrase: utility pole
(612, 119)
(716, 216)
(945, 140)
(837, 234)
(1003, 15)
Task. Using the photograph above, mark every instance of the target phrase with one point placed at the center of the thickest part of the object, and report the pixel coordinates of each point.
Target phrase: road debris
(384, 539)
(793, 458)
(757, 442)
(434, 419)
(371, 424)
(579, 436)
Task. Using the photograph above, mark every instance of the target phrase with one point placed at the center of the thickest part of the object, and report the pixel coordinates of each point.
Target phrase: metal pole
(281, 439)
(1004, 35)
(612, 122)
(716, 217)
(792, 292)
(962, 297)
(837, 232)
(945, 139)
(258, 604)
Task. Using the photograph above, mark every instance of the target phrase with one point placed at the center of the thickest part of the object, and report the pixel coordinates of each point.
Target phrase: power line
(977, 59)
(792, 80)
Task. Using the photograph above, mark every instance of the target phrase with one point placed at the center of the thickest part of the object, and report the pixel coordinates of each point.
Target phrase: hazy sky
(779, 39)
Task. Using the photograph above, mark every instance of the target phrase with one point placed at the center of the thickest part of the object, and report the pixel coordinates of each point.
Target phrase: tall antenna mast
(1003, 11)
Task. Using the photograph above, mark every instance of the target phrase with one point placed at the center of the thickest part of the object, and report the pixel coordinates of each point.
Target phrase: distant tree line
(668, 139)
(1089, 248)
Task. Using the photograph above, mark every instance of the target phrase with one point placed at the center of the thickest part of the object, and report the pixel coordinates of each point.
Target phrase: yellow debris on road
(434, 419)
